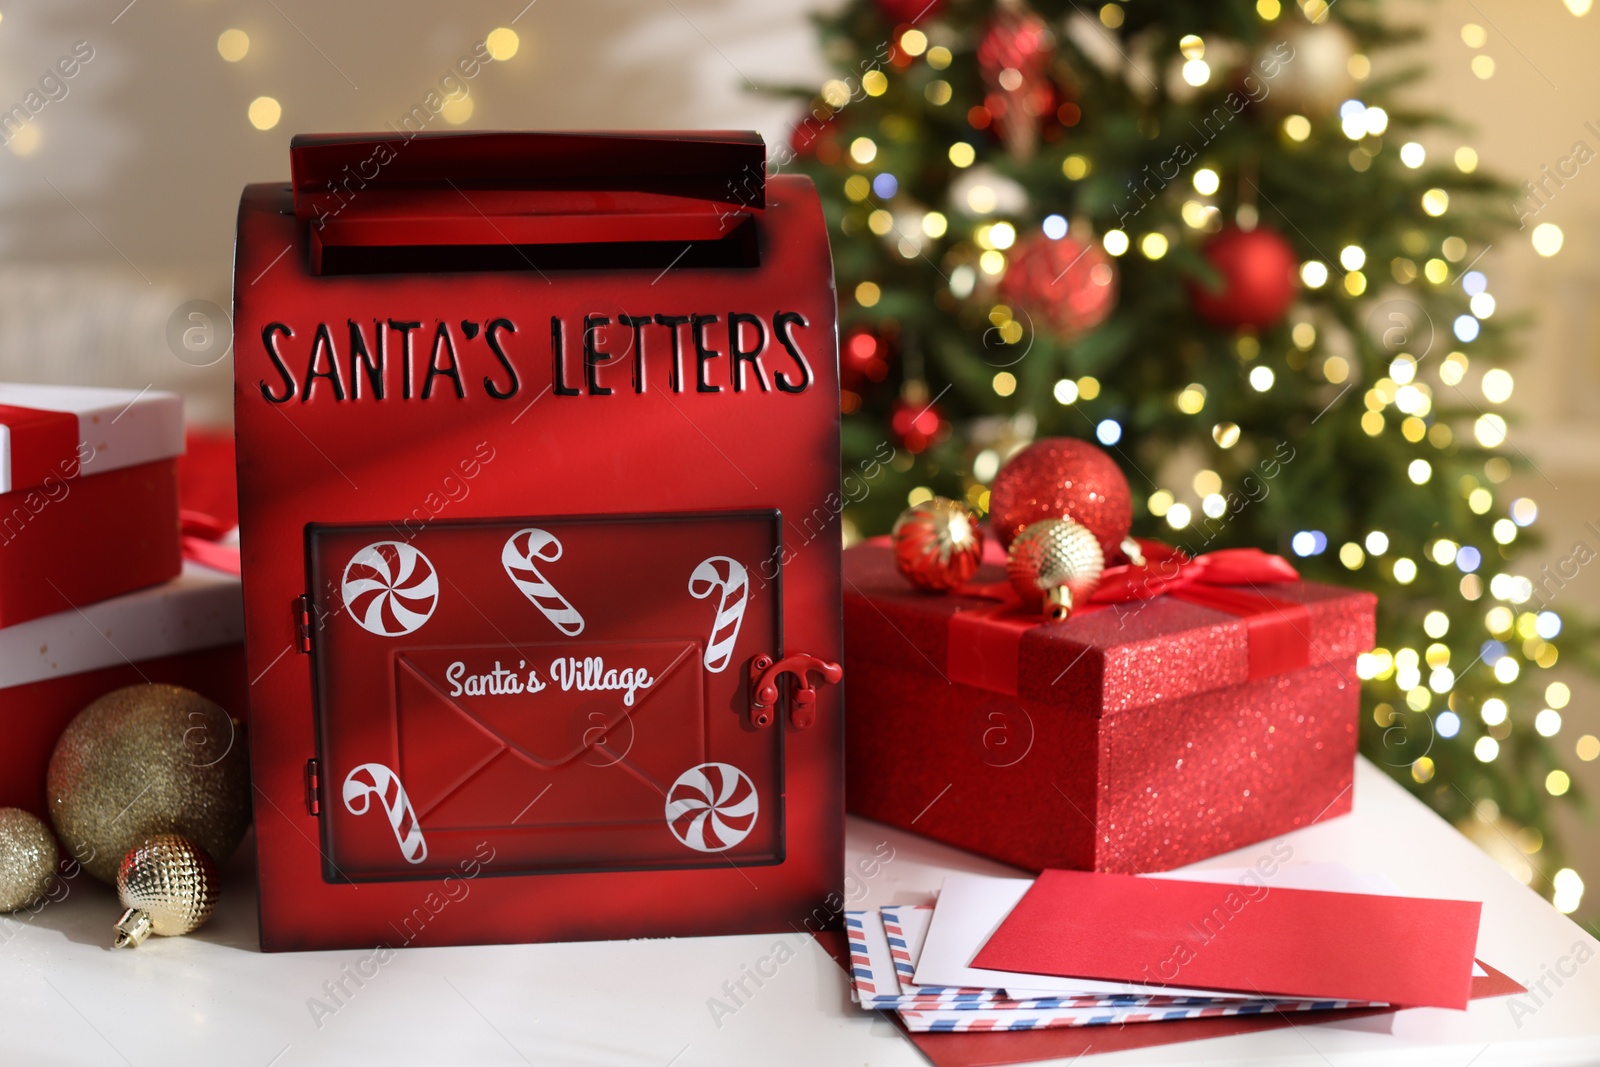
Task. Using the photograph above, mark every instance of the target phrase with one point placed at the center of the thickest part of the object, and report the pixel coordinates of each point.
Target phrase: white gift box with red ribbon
(88, 495)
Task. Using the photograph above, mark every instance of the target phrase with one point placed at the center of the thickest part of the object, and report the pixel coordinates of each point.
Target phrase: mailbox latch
(765, 674)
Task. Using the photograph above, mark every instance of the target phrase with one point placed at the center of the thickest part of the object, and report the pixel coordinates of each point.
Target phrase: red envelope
(1246, 938)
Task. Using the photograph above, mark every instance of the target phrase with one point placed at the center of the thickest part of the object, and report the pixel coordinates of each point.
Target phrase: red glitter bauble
(1062, 478)
(1068, 287)
(1258, 279)
(937, 544)
(1014, 60)
(913, 11)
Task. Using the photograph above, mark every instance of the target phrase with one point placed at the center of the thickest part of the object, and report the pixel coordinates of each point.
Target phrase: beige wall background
(119, 206)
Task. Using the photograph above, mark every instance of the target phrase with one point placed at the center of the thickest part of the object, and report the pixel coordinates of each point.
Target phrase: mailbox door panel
(590, 710)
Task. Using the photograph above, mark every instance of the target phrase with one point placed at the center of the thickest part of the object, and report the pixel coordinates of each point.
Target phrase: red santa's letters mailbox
(539, 468)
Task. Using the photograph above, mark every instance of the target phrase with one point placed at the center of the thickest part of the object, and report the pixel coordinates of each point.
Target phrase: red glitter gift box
(1132, 737)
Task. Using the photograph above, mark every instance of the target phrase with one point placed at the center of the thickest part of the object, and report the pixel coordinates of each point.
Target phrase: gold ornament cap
(169, 886)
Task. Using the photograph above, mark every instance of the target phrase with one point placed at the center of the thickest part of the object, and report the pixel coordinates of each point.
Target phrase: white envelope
(970, 908)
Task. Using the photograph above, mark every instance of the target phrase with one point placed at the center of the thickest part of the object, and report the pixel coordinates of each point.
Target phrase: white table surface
(214, 998)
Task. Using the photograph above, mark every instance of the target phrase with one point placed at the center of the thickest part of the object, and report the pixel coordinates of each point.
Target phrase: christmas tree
(1213, 237)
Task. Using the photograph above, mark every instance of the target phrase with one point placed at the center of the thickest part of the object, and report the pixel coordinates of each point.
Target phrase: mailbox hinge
(302, 623)
(313, 788)
(765, 675)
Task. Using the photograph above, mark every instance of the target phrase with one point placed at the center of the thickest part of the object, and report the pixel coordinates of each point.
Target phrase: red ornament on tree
(864, 356)
(1258, 279)
(915, 421)
(1014, 60)
(1065, 285)
(1062, 478)
(912, 11)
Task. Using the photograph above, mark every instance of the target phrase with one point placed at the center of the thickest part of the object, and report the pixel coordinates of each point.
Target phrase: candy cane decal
(521, 549)
(375, 780)
(728, 575)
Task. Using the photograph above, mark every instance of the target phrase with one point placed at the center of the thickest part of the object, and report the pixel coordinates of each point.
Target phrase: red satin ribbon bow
(984, 644)
(202, 534)
(1169, 570)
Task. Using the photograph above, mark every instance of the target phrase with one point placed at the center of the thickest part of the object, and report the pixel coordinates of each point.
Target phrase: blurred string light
(233, 45)
(1547, 239)
(458, 110)
(1309, 543)
(1196, 71)
(502, 43)
(1359, 121)
(25, 142)
(264, 112)
(1567, 883)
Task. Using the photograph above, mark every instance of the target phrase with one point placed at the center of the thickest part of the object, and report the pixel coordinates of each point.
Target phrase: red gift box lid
(61, 432)
(1107, 659)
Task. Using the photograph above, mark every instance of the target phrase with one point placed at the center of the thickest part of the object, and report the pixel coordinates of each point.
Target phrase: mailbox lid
(487, 191)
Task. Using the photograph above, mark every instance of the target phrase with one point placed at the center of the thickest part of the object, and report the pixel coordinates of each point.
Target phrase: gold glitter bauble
(27, 859)
(1055, 561)
(169, 886)
(148, 759)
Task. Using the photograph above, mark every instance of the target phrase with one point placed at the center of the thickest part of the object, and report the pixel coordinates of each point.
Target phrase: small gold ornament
(27, 859)
(169, 886)
(148, 759)
(1055, 561)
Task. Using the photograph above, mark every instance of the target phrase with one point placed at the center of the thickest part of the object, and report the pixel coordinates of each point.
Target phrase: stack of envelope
(998, 954)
